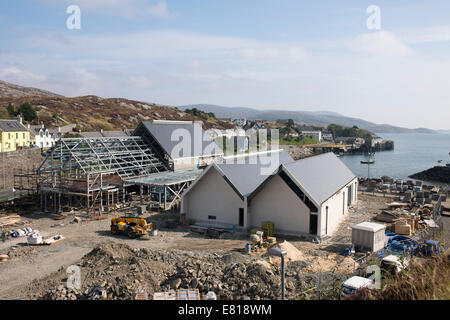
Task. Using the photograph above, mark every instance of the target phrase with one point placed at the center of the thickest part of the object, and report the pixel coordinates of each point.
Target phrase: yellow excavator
(132, 226)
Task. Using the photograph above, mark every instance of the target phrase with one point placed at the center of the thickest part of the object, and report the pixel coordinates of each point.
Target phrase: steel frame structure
(92, 170)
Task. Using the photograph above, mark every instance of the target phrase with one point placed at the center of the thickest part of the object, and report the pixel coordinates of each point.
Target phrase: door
(241, 217)
(313, 224)
(350, 195)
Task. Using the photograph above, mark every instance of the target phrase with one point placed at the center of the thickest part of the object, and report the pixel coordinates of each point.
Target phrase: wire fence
(327, 284)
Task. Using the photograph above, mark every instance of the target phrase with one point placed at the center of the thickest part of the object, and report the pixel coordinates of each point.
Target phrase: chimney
(28, 125)
(59, 129)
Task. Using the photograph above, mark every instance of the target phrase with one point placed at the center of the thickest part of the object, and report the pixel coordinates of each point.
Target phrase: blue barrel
(248, 248)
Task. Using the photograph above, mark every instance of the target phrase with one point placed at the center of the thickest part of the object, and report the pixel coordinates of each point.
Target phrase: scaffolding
(91, 172)
(165, 187)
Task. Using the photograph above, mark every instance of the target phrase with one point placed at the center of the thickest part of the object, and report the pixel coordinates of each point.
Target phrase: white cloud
(124, 8)
(378, 43)
(82, 81)
(15, 74)
(292, 52)
(384, 81)
(159, 9)
(426, 35)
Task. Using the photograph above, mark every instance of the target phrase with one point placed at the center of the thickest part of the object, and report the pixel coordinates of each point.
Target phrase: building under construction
(99, 173)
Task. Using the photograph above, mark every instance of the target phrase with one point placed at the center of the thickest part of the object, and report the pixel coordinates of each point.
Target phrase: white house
(313, 134)
(309, 197)
(44, 137)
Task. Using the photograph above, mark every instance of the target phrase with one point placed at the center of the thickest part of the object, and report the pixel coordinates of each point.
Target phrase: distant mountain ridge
(118, 113)
(92, 113)
(9, 90)
(318, 118)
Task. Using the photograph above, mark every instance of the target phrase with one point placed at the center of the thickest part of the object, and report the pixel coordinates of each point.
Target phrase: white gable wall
(337, 209)
(276, 202)
(213, 196)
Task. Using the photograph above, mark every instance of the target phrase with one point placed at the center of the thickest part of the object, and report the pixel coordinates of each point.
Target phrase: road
(9, 194)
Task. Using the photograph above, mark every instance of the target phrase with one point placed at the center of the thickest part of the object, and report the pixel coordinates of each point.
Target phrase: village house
(43, 137)
(13, 135)
(313, 134)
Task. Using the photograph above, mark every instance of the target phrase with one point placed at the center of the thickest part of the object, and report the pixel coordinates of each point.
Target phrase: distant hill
(92, 113)
(317, 118)
(9, 90)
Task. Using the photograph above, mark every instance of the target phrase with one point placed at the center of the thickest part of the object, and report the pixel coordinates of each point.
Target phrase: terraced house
(14, 135)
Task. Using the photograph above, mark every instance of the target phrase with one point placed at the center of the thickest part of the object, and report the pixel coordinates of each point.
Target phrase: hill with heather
(92, 113)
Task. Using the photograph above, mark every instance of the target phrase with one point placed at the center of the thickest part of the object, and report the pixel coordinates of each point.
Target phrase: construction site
(111, 208)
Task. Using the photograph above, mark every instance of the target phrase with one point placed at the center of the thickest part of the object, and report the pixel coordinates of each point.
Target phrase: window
(343, 203)
(212, 217)
(17, 135)
(241, 217)
(9, 135)
(24, 135)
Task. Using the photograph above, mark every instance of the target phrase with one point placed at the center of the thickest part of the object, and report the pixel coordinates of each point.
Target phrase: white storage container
(368, 236)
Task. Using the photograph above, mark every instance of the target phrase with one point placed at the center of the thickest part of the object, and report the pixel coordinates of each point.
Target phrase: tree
(27, 112)
(11, 110)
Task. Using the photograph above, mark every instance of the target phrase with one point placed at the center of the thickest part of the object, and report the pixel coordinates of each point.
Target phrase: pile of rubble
(116, 269)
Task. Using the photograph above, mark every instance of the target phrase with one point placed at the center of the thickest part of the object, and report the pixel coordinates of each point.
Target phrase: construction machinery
(132, 226)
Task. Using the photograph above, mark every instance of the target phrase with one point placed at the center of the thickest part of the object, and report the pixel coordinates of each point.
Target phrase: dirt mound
(292, 253)
(318, 262)
(118, 268)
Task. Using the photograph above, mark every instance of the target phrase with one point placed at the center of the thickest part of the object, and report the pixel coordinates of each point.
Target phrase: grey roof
(250, 171)
(167, 178)
(35, 129)
(91, 134)
(320, 176)
(11, 126)
(117, 134)
(162, 132)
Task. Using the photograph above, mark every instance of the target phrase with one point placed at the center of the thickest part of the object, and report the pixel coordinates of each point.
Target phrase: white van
(392, 264)
(353, 284)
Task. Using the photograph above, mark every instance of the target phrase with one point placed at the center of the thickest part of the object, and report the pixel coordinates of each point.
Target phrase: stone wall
(13, 162)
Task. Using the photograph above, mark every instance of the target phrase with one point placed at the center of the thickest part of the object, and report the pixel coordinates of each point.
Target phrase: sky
(337, 56)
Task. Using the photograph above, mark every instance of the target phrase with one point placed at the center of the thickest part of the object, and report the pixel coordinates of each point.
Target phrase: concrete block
(141, 209)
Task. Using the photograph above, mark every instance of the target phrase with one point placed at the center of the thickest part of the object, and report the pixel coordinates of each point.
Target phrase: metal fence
(327, 284)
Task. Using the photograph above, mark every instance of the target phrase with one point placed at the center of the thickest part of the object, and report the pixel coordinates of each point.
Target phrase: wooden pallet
(9, 220)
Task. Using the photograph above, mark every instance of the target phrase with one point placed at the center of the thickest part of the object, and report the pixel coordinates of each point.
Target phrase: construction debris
(9, 220)
(54, 240)
(117, 269)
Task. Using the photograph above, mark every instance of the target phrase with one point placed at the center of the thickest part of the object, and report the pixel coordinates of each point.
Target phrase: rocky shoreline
(436, 174)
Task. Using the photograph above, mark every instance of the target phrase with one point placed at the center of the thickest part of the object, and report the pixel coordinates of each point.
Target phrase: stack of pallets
(10, 220)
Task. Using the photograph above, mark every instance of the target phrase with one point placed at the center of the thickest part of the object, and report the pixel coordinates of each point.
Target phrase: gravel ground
(31, 269)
